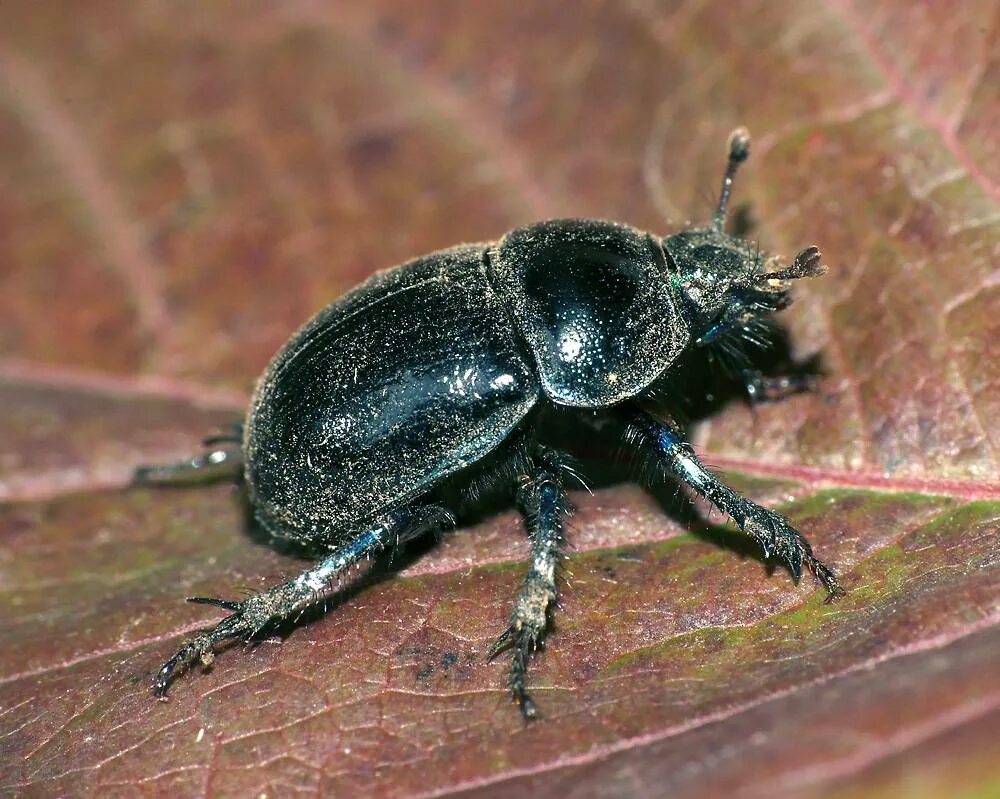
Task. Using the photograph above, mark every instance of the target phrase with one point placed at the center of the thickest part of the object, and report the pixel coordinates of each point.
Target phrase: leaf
(181, 186)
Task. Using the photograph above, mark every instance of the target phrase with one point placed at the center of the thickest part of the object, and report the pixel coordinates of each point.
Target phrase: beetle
(441, 370)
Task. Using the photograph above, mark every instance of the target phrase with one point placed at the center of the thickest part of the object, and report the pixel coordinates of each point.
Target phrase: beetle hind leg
(249, 617)
(221, 458)
(542, 500)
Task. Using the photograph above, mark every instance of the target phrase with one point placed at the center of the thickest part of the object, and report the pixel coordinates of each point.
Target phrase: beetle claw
(198, 648)
(505, 639)
(225, 604)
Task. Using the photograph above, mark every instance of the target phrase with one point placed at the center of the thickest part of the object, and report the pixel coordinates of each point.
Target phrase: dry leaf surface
(181, 184)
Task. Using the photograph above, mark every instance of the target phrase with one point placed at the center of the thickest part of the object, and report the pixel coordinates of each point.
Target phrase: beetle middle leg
(771, 530)
(542, 500)
(249, 617)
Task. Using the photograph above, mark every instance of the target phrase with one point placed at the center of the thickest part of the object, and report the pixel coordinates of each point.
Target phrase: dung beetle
(440, 370)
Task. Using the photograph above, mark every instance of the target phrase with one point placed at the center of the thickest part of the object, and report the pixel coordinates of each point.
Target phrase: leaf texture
(182, 184)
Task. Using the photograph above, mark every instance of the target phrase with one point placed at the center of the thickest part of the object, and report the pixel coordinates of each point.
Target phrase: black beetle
(410, 380)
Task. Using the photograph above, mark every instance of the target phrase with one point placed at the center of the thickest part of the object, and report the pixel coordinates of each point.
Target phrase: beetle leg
(281, 602)
(772, 531)
(222, 458)
(766, 388)
(543, 502)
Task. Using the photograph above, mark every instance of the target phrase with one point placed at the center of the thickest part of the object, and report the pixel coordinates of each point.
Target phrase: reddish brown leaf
(181, 184)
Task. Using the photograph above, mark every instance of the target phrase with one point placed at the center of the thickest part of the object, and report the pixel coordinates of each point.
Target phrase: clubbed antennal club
(739, 151)
(807, 264)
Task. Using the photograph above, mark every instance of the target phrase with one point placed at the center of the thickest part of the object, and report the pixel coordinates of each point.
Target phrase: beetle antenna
(739, 151)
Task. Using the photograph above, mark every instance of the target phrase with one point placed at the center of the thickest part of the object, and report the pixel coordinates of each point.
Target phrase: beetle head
(723, 278)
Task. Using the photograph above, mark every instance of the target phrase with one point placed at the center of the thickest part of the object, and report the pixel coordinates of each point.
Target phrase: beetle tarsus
(525, 640)
(215, 463)
(200, 647)
(524, 636)
(761, 388)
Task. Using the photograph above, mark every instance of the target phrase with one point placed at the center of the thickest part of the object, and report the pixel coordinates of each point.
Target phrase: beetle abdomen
(594, 302)
(407, 379)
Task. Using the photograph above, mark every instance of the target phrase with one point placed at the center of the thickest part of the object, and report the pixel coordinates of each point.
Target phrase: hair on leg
(542, 499)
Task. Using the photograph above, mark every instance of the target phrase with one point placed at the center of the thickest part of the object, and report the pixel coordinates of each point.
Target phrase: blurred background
(183, 183)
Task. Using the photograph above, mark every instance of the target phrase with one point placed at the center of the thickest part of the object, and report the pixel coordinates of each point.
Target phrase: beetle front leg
(542, 500)
(774, 388)
(772, 531)
(281, 602)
